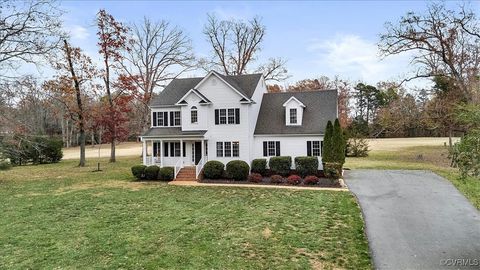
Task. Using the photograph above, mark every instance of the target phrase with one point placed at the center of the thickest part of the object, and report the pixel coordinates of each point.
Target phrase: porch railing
(153, 161)
(199, 166)
(178, 167)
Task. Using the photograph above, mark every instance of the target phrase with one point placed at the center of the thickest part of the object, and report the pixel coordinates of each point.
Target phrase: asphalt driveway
(416, 220)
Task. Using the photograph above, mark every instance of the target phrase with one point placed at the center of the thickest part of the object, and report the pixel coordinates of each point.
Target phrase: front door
(198, 152)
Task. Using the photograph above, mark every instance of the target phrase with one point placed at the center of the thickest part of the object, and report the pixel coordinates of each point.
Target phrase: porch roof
(171, 132)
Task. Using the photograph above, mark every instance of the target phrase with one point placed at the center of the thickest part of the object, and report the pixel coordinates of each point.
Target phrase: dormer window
(293, 116)
(293, 111)
(194, 115)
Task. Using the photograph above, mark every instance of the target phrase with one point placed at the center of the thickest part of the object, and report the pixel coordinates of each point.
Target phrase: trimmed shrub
(311, 180)
(166, 173)
(151, 172)
(276, 179)
(332, 170)
(280, 165)
(255, 178)
(306, 165)
(294, 179)
(237, 170)
(259, 166)
(139, 171)
(5, 165)
(213, 169)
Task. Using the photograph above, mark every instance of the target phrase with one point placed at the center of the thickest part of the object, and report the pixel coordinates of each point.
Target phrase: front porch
(175, 152)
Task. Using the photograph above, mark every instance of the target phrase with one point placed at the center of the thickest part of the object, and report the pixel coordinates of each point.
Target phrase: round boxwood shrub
(166, 173)
(294, 179)
(238, 170)
(276, 179)
(139, 171)
(311, 180)
(306, 165)
(280, 165)
(255, 178)
(151, 172)
(259, 166)
(213, 169)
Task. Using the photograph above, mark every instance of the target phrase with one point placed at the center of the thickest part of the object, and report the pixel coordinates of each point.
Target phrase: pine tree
(328, 143)
(338, 144)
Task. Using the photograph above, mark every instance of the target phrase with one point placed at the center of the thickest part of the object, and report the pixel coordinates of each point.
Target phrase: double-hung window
(193, 115)
(293, 116)
(227, 116)
(228, 149)
(314, 148)
(271, 148)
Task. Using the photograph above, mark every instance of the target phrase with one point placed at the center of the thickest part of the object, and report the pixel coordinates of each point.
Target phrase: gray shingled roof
(177, 88)
(171, 131)
(321, 106)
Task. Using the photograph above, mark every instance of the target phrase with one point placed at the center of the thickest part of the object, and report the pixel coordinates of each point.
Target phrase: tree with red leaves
(112, 41)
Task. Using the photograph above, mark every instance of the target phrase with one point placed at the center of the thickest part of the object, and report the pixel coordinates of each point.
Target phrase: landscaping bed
(266, 180)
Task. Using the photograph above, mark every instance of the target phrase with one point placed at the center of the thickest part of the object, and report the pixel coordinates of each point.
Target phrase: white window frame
(273, 148)
(177, 116)
(293, 116)
(316, 149)
(228, 149)
(222, 117)
(194, 115)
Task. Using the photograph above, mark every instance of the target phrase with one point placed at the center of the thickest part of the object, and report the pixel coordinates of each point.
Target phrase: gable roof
(204, 100)
(320, 106)
(177, 88)
(293, 98)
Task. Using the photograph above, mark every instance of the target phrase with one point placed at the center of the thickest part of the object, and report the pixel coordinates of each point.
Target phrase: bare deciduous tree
(158, 53)
(235, 46)
(443, 42)
(29, 30)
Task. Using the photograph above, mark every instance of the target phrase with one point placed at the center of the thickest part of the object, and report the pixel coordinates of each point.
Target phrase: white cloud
(78, 32)
(353, 57)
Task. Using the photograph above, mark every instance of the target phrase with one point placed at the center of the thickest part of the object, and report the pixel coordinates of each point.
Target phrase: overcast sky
(316, 38)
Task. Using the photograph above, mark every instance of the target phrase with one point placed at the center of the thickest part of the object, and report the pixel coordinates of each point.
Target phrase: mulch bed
(324, 182)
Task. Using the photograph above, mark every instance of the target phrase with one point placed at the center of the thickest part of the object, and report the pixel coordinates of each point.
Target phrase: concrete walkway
(416, 220)
(198, 184)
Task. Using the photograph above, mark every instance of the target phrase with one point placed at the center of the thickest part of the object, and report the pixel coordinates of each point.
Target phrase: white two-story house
(225, 118)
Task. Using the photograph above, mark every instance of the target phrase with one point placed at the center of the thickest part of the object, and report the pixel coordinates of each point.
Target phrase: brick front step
(186, 174)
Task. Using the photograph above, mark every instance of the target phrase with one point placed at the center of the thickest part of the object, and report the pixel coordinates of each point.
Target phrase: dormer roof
(203, 99)
(320, 106)
(294, 99)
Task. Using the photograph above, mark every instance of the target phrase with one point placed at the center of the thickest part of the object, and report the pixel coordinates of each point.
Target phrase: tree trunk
(112, 151)
(93, 140)
(450, 144)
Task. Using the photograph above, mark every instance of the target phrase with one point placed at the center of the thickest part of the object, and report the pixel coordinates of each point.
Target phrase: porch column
(144, 151)
(181, 151)
(161, 153)
(203, 149)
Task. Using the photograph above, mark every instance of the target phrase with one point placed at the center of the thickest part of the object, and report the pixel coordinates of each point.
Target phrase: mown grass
(62, 216)
(433, 158)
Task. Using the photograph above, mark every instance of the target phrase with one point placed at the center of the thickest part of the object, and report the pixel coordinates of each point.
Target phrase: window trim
(270, 147)
(193, 116)
(227, 116)
(295, 116)
(228, 149)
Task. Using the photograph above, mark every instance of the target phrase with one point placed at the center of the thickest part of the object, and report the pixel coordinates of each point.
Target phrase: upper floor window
(293, 116)
(194, 115)
(165, 119)
(227, 116)
(271, 148)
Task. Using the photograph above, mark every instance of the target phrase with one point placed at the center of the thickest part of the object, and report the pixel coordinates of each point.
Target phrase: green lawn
(62, 216)
(433, 158)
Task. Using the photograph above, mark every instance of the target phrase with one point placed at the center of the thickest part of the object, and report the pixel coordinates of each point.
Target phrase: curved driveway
(416, 220)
